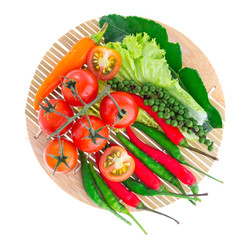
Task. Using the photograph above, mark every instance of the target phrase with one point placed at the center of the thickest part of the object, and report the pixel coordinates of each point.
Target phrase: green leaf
(194, 85)
(119, 27)
(173, 55)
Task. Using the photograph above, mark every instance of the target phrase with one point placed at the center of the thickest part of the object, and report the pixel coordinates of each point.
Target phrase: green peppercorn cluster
(166, 106)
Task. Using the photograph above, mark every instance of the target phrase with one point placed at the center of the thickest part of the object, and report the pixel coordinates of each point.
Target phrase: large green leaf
(194, 85)
(119, 27)
(173, 55)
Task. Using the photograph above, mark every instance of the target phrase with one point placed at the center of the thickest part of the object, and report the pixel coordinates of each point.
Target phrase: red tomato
(87, 87)
(50, 122)
(109, 111)
(103, 62)
(79, 131)
(116, 165)
(70, 156)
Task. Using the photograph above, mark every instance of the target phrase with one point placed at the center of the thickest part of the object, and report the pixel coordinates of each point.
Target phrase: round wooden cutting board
(72, 182)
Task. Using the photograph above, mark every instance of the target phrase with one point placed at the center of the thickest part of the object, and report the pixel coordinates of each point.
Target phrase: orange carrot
(75, 58)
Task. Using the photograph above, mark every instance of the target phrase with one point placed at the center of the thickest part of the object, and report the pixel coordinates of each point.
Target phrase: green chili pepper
(141, 189)
(154, 166)
(109, 197)
(91, 190)
(168, 145)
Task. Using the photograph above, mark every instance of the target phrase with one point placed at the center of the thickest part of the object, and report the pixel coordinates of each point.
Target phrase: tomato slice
(103, 62)
(116, 165)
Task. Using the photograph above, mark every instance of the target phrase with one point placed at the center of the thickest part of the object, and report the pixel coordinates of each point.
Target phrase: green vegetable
(91, 190)
(109, 197)
(144, 61)
(199, 93)
(120, 26)
(141, 189)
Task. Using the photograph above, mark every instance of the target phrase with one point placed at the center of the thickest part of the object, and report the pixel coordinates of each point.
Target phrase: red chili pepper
(144, 173)
(119, 189)
(172, 133)
(184, 175)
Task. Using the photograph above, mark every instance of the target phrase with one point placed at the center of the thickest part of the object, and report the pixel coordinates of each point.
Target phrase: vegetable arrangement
(143, 73)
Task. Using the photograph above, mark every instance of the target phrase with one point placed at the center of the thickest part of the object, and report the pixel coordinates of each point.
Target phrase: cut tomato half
(116, 165)
(103, 62)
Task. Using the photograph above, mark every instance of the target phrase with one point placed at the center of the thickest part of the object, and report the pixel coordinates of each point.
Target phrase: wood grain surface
(72, 181)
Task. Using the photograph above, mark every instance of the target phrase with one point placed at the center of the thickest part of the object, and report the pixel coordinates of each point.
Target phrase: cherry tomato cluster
(61, 154)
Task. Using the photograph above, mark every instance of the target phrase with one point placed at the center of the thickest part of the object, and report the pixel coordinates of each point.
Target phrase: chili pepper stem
(186, 145)
(189, 165)
(179, 186)
(141, 206)
(199, 194)
(119, 216)
(181, 196)
(163, 191)
(135, 220)
(98, 36)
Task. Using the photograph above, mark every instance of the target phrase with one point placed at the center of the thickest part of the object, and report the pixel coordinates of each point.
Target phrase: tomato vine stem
(84, 109)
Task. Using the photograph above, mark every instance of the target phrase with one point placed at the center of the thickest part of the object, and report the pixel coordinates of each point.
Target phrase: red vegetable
(60, 161)
(119, 189)
(82, 137)
(86, 87)
(116, 165)
(51, 121)
(109, 111)
(144, 173)
(173, 133)
(103, 62)
(184, 175)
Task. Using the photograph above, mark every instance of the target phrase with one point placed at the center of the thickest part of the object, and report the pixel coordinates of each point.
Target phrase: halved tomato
(103, 62)
(116, 165)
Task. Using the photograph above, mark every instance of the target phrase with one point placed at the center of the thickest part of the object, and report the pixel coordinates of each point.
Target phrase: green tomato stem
(84, 109)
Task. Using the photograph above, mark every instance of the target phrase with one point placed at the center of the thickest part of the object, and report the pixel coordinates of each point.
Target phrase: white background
(32, 206)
